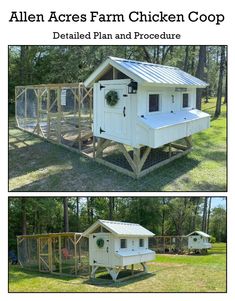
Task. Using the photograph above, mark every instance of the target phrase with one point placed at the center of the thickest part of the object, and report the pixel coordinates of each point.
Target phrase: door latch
(124, 111)
(101, 131)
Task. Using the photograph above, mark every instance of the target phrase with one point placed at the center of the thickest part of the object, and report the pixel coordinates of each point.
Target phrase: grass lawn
(169, 273)
(36, 165)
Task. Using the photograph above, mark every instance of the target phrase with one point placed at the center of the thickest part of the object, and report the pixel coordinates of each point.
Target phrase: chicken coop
(116, 245)
(128, 115)
(144, 112)
(57, 253)
(60, 113)
(198, 241)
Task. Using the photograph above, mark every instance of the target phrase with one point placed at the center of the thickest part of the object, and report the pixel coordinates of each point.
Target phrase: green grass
(169, 273)
(36, 165)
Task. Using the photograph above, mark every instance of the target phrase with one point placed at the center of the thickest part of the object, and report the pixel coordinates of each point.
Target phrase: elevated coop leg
(137, 157)
(113, 272)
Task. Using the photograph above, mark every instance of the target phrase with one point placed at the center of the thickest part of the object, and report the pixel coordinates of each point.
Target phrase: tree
(200, 73)
(220, 82)
(23, 212)
(111, 207)
(204, 216)
(66, 216)
(208, 215)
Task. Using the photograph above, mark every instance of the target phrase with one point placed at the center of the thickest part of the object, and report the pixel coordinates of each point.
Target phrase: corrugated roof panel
(160, 74)
(203, 234)
(122, 228)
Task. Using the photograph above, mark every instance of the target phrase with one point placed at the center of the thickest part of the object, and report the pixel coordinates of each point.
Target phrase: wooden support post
(132, 269)
(38, 94)
(60, 255)
(170, 150)
(48, 114)
(59, 117)
(75, 255)
(79, 117)
(50, 254)
(189, 141)
(25, 106)
(90, 105)
(39, 251)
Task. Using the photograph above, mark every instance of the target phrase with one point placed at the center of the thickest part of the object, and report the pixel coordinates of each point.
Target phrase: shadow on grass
(73, 172)
(17, 274)
(105, 280)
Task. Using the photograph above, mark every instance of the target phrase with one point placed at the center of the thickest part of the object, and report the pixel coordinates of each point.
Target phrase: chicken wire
(60, 254)
(58, 113)
(169, 244)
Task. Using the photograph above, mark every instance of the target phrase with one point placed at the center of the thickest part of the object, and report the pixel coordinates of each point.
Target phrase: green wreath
(111, 98)
(100, 242)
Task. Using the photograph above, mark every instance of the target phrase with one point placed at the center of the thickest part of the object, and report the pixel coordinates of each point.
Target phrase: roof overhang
(96, 75)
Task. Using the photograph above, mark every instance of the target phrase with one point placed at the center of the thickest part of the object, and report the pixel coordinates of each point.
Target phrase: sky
(218, 201)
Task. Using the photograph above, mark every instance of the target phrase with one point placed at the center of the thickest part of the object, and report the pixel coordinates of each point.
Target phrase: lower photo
(117, 244)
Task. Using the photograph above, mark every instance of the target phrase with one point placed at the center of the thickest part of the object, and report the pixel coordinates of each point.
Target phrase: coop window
(141, 242)
(154, 104)
(185, 100)
(123, 243)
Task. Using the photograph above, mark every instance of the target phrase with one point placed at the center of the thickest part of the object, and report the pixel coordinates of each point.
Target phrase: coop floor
(168, 273)
(37, 165)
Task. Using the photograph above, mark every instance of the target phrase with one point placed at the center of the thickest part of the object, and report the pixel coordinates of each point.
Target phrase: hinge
(94, 236)
(101, 130)
(102, 87)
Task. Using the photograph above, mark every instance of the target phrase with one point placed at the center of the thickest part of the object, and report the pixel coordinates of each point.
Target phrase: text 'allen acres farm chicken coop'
(139, 117)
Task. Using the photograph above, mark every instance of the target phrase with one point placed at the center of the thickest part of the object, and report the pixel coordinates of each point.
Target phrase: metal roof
(120, 228)
(147, 73)
(203, 234)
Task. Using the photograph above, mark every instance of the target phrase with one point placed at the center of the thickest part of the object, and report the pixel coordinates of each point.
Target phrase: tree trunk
(186, 58)
(200, 74)
(66, 216)
(204, 216)
(111, 208)
(77, 213)
(23, 217)
(195, 214)
(208, 215)
(220, 82)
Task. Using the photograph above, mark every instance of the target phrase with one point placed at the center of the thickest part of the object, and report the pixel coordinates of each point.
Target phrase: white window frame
(160, 102)
(189, 101)
(141, 239)
(121, 243)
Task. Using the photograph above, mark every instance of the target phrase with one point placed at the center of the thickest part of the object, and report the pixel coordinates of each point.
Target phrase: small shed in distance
(198, 241)
(114, 245)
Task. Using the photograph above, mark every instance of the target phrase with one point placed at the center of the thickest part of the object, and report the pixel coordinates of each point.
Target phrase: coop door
(114, 123)
(45, 255)
(101, 248)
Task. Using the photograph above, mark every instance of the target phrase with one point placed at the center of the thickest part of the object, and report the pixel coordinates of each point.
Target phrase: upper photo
(117, 118)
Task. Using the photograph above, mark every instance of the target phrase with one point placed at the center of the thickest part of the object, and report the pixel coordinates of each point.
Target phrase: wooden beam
(144, 158)
(127, 156)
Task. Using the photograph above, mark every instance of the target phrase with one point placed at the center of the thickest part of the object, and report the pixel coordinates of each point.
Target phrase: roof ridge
(118, 222)
(141, 62)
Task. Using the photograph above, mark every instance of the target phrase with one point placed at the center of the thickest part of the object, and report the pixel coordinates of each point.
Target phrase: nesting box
(198, 241)
(114, 245)
(144, 104)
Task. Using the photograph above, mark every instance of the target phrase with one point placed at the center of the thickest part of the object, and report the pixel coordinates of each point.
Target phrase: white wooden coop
(115, 245)
(154, 106)
(198, 241)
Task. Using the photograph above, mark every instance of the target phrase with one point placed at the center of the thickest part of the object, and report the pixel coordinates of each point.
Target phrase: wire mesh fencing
(61, 112)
